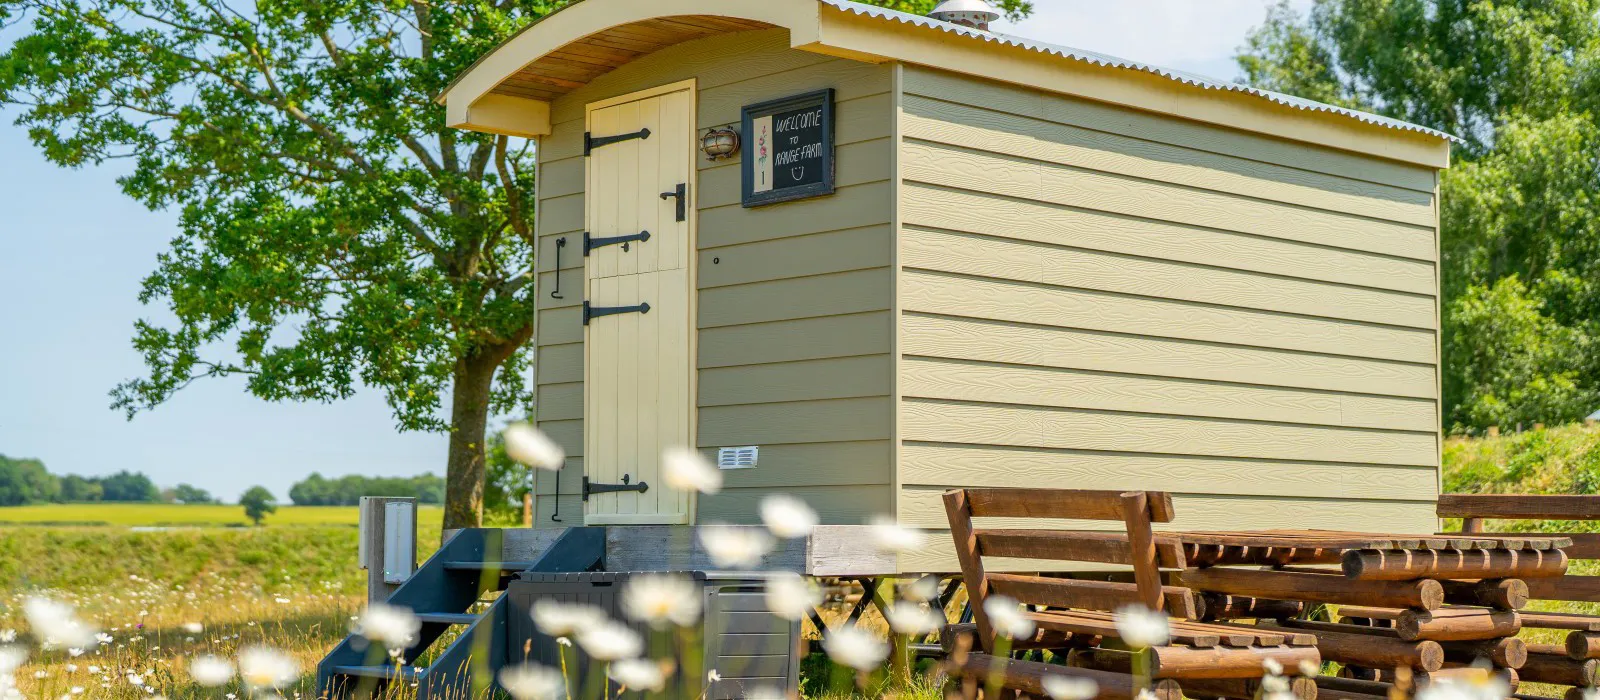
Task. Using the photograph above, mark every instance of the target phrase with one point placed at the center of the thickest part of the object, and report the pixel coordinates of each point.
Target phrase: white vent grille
(738, 457)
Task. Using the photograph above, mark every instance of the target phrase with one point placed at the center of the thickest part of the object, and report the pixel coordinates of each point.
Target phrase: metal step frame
(442, 593)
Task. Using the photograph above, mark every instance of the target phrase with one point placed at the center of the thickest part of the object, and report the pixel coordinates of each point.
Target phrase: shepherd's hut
(862, 256)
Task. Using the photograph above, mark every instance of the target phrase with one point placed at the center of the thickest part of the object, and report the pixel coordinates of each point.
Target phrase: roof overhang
(509, 91)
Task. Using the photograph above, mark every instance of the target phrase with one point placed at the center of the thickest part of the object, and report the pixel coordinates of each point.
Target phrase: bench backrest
(1473, 509)
(1136, 546)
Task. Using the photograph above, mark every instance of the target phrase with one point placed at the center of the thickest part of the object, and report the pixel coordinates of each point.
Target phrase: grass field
(293, 585)
(179, 515)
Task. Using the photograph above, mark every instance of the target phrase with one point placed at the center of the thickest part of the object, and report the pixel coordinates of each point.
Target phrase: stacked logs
(1466, 636)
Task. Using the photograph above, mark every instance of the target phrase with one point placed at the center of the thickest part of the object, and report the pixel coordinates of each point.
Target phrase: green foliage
(506, 480)
(1520, 81)
(76, 489)
(317, 490)
(333, 230)
(187, 494)
(257, 502)
(1563, 459)
(1013, 9)
(24, 481)
(128, 487)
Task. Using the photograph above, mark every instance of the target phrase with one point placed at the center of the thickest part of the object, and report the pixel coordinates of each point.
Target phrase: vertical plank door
(638, 398)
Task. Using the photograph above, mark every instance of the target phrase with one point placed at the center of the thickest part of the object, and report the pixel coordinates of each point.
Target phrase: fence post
(527, 509)
(388, 550)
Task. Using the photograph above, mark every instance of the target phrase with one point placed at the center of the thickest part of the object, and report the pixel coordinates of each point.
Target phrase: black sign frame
(821, 98)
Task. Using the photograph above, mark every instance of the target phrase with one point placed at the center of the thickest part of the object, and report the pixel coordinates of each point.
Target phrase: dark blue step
(448, 618)
(505, 567)
(404, 673)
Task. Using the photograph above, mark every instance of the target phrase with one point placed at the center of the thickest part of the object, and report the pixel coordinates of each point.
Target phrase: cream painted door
(638, 374)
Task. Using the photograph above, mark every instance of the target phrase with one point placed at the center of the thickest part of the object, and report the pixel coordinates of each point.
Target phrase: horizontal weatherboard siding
(1093, 297)
(793, 300)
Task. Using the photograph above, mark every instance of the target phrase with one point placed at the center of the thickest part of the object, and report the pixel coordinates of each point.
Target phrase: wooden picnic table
(1419, 572)
(1430, 602)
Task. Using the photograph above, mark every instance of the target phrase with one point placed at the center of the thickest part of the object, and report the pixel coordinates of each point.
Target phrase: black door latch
(682, 193)
(591, 142)
(589, 488)
(594, 312)
(592, 243)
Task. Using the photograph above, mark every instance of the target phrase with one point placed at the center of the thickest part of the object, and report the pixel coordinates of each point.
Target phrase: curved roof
(506, 89)
(1100, 59)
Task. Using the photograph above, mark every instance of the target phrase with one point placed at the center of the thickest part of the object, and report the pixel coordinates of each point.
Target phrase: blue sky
(73, 250)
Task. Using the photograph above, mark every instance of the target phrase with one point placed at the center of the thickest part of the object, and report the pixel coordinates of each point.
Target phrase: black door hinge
(589, 488)
(590, 243)
(682, 193)
(591, 142)
(593, 312)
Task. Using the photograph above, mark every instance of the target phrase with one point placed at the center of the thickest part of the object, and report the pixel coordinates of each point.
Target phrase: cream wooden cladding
(637, 369)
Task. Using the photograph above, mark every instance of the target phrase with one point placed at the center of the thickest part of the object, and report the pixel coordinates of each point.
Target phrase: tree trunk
(469, 417)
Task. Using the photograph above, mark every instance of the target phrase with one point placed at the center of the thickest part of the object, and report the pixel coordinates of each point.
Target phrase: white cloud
(1200, 36)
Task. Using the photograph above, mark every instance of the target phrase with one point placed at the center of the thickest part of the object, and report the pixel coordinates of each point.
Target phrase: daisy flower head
(263, 667)
(662, 599)
(855, 647)
(533, 682)
(1069, 688)
(1005, 615)
(525, 444)
(638, 674)
(559, 619)
(787, 517)
(735, 546)
(1139, 626)
(610, 641)
(686, 469)
(792, 596)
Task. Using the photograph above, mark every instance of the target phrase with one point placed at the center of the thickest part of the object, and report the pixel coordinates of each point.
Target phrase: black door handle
(682, 193)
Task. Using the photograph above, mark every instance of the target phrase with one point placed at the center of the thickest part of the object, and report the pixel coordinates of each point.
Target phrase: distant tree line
(317, 490)
(26, 481)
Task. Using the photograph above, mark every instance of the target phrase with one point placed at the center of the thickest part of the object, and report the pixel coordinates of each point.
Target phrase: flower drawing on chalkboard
(761, 154)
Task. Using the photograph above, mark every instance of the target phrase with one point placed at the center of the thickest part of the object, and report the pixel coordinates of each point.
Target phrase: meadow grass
(181, 515)
(293, 585)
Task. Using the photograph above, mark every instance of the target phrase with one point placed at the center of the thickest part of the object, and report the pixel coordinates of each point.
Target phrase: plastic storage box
(750, 648)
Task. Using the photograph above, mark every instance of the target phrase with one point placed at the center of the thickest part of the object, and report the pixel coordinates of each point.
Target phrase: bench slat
(1061, 503)
(1519, 506)
(1074, 545)
(1093, 595)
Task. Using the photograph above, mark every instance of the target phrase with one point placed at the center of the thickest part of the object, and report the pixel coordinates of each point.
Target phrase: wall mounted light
(719, 143)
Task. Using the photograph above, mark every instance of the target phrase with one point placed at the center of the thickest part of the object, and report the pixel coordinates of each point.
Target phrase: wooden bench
(1576, 662)
(1076, 616)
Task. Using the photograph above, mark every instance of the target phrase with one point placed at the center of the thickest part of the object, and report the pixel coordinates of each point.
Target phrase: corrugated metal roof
(1100, 59)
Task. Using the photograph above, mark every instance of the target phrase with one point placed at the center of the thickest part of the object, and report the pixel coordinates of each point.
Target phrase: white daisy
(891, 536)
(558, 619)
(262, 667)
(1140, 627)
(392, 626)
(735, 546)
(55, 624)
(660, 599)
(609, 641)
(787, 517)
(855, 647)
(528, 446)
(210, 671)
(1005, 616)
(906, 617)
(686, 469)
(792, 596)
(638, 674)
(1069, 688)
(533, 682)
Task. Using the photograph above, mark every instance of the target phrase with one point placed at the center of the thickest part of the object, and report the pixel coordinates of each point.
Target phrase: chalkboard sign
(788, 149)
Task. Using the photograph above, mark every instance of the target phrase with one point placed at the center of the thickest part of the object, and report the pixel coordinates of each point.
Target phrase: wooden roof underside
(574, 65)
